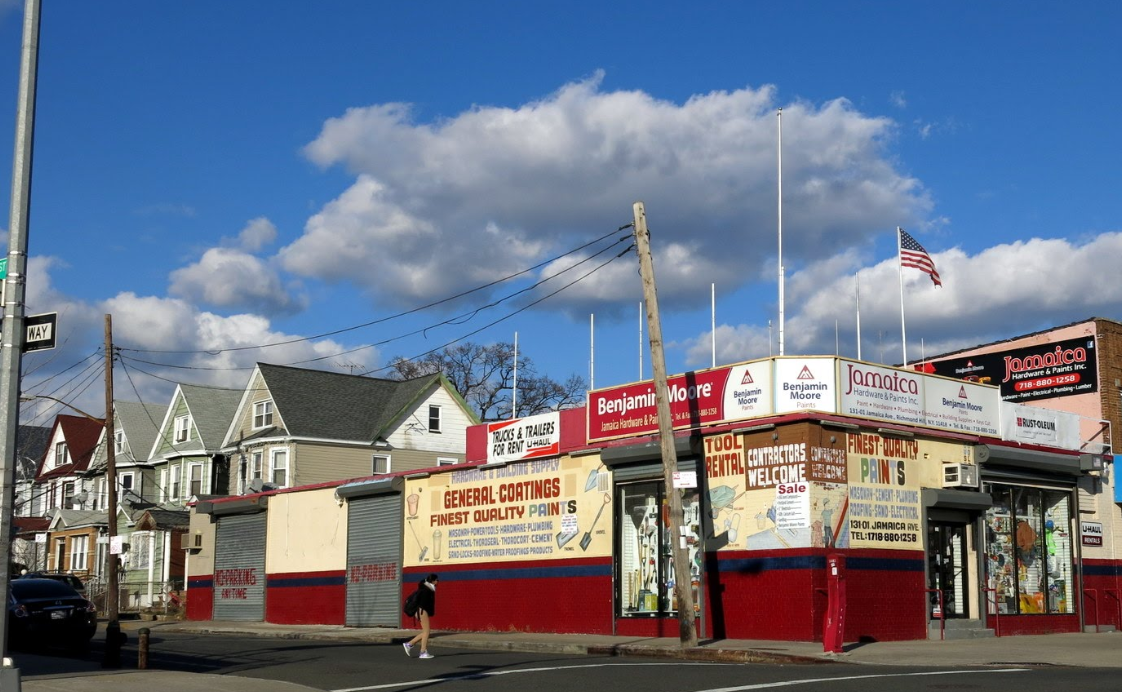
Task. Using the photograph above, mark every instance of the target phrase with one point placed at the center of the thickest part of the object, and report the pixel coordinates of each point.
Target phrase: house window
(255, 469)
(60, 554)
(434, 419)
(60, 454)
(174, 488)
(182, 428)
(381, 464)
(280, 467)
(163, 482)
(196, 479)
(51, 499)
(126, 482)
(119, 442)
(446, 461)
(102, 493)
(79, 549)
(68, 495)
(262, 414)
(139, 550)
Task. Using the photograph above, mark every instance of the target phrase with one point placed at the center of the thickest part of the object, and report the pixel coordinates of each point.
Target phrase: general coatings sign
(1030, 373)
(696, 398)
(524, 438)
(539, 509)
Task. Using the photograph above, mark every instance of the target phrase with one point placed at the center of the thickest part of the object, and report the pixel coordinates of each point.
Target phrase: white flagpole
(779, 120)
(837, 343)
(592, 350)
(514, 392)
(641, 341)
(713, 319)
(900, 271)
(857, 289)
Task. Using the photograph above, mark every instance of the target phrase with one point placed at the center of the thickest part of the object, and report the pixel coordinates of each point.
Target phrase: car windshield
(41, 588)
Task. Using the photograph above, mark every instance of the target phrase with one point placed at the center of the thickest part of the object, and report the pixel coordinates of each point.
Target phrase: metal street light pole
(12, 339)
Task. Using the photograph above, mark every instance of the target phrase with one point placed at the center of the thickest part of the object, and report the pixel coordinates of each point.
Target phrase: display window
(646, 555)
(1029, 555)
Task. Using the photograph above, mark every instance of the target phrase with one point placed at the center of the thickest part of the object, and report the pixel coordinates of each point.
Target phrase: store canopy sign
(524, 438)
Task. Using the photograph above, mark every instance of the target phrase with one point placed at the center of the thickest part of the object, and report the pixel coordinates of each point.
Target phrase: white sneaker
(425, 654)
(408, 649)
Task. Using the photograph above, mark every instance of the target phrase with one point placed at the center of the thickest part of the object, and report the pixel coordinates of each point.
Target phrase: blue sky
(222, 175)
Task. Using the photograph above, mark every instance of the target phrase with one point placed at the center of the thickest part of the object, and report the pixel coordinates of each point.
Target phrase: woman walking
(426, 608)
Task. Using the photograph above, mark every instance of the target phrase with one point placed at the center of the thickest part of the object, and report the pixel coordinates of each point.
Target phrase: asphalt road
(351, 667)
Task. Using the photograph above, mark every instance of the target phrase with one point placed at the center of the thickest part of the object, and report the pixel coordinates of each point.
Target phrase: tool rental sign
(696, 398)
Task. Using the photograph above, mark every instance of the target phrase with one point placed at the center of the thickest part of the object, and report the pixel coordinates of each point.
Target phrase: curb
(709, 655)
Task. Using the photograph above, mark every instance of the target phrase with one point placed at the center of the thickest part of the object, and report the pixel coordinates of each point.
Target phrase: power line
(216, 352)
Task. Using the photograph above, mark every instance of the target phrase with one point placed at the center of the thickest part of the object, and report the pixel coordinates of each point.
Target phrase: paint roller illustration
(424, 548)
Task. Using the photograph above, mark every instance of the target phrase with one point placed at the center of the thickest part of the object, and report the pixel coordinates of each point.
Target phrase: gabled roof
(141, 423)
(329, 405)
(22, 526)
(157, 519)
(211, 411)
(81, 435)
(31, 441)
(77, 518)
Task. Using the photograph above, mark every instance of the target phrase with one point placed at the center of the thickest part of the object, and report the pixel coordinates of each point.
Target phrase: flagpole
(900, 271)
(641, 318)
(857, 291)
(779, 120)
(713, 319)
(592, 350)
(514, 388)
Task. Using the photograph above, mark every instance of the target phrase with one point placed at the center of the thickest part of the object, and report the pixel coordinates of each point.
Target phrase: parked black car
(47, 611)
(68, 579)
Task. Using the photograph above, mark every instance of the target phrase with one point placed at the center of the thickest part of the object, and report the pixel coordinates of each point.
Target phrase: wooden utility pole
(683, 587)
(112, 658)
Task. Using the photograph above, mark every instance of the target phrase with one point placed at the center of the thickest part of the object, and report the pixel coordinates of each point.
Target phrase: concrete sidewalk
(1083, 650)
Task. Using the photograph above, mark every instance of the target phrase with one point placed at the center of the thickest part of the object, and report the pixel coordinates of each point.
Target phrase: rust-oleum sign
(1044, 371)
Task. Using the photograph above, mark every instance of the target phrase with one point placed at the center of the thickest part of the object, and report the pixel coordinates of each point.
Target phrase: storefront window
(1029, 558)
(646, 562)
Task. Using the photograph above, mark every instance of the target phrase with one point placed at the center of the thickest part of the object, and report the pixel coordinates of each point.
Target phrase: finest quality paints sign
(524, 438)
(696, 398)
(539, 509)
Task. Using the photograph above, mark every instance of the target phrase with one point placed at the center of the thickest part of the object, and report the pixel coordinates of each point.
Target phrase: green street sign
(4, 268)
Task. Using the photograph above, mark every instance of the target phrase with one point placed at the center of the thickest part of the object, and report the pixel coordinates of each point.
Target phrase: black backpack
(410, 607)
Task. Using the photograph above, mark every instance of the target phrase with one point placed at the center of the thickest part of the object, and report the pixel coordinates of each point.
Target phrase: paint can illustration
(436, 539)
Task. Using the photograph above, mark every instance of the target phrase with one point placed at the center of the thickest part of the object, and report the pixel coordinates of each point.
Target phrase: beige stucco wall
(306, 532)
(201, 562)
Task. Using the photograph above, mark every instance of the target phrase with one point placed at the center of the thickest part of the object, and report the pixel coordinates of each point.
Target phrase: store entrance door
(946, 569)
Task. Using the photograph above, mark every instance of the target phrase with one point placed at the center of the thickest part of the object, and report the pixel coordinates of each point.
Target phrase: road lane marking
(739, 688)
(493, 673)
(788, 683)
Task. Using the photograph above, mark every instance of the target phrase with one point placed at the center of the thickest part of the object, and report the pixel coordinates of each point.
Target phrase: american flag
(913, 255)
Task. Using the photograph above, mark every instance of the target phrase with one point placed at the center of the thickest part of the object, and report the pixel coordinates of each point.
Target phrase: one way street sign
(40, 331)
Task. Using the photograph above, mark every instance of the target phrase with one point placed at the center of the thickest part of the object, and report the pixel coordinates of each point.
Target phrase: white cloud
(898, 99)
(229, 278)
(438, 207)
(257, 234)
(1004, 290)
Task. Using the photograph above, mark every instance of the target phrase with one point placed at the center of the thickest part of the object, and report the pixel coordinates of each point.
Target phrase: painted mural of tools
(587, 538)
(424, 548)
(721, 498)
(597, 480)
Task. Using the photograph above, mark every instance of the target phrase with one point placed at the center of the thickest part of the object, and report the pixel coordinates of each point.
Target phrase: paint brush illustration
(424, 548)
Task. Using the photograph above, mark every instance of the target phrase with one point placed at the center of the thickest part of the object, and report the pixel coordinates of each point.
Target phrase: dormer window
(182, 428)
(434, 419)
(262, 414)
(119, 442)
(61, 455)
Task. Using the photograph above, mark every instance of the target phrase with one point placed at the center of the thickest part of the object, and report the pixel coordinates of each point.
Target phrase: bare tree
(484, 376)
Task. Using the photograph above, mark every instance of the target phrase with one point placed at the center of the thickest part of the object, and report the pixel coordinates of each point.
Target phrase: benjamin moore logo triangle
(962, 392)
(805, 373)
(747, 379)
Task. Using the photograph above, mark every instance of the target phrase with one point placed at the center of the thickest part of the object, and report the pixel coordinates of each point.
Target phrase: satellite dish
(256, 485)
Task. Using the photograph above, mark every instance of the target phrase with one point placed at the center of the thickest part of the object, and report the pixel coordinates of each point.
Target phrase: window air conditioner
(190, 541)
(960, 476)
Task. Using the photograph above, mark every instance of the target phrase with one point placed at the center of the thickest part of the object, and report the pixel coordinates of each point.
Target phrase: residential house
(295, 426)
(188, 446)
(29, 532)
(70, 448)
(134, 432)
(73, 544)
